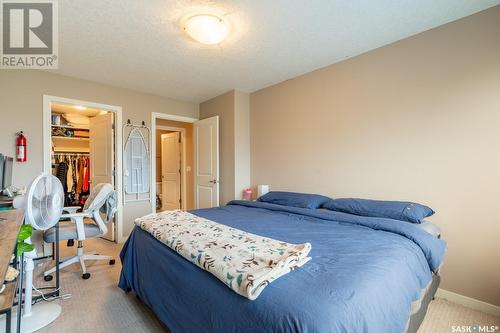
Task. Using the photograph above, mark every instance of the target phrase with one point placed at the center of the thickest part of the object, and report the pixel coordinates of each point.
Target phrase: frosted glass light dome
(207, 29)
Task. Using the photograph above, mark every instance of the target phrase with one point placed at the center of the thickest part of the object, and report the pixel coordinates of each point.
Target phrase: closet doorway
(80, 148)
(173, 162)
(172, 146)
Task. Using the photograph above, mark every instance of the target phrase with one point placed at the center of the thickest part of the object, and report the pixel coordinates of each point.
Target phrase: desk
(10, 222)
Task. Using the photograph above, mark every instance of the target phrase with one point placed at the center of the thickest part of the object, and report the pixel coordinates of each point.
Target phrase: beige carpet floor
(98, 305)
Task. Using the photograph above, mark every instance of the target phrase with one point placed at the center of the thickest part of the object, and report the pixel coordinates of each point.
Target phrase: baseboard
(469, 302)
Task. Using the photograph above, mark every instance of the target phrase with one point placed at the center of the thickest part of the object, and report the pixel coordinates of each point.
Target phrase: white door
(170, 171)
(206, 161)
(102, 155)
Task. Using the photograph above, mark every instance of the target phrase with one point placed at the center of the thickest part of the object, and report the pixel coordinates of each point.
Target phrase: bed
(366, 275)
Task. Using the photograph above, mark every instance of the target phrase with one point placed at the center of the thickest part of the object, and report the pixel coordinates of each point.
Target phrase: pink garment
(86, 176)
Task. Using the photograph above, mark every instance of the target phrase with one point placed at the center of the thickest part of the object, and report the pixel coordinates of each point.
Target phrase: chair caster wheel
(85, 276)
(70, 242)
(112, 262)
(48, 278)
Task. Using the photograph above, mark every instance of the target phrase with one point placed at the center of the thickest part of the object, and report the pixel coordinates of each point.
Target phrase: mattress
(366, 275)
(430, 228)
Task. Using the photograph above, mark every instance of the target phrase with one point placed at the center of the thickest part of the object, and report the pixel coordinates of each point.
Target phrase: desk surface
(10, 222)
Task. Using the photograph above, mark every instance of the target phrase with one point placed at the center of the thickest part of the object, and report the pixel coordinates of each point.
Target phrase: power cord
(52, 298)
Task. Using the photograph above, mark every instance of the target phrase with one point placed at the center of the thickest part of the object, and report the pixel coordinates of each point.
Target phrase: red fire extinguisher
(21, 147)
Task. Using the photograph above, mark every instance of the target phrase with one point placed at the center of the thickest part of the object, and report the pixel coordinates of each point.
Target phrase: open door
(170, 171)
(206, 161)
(101, 139)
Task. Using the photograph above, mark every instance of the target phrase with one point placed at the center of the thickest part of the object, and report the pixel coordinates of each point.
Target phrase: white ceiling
(139, 45)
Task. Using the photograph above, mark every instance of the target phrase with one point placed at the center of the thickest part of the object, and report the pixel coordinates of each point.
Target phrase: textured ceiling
(138, 44)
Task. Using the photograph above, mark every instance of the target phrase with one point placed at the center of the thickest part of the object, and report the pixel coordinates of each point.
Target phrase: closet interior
(82, 149)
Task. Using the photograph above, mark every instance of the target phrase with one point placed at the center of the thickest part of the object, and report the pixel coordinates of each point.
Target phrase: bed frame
(417, 318)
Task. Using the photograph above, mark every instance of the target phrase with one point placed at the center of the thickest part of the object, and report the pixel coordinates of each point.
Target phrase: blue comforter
(363, 276)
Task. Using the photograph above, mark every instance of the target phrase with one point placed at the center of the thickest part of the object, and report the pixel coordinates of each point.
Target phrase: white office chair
(102, 199)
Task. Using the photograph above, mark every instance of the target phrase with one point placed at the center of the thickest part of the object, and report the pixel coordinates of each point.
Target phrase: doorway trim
(152, 156)
(47, 147)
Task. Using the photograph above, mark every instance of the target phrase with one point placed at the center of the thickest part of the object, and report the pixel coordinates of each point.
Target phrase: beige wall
(241, 143)
(233, 109)
(21, 97)
(189, 156)
(416, 120)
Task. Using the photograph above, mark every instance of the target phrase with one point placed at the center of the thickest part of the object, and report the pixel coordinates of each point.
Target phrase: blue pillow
(396, 210)
(302, 200)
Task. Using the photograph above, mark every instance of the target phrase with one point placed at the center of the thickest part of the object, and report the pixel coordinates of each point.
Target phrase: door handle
(215, 181)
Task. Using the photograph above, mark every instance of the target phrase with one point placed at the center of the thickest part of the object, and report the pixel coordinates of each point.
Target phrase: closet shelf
(70, 138)
(72, 127)
(70, 150)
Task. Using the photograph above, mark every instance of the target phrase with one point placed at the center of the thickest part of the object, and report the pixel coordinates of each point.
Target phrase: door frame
(152, 154)
(47, 147)
(182, 132)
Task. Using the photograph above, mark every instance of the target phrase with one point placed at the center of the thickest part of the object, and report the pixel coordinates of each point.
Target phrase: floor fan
(43, 205)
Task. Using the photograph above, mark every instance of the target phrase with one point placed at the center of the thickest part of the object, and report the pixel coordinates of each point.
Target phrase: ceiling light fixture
(79, 107)
(207, 29)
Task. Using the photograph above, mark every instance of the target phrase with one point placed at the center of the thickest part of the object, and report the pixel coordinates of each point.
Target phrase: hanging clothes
(81, 171)
(70, 175)
(73, 170)
(74, 163)
(86, 177)
(62, 174)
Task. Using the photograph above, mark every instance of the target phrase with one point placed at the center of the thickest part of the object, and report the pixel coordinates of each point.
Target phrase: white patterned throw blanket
(245, 262)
